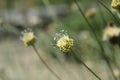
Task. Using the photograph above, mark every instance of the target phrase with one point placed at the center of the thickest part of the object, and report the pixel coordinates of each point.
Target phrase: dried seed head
(28, 38)
(110, 32)
(115, 4)
(65, 43)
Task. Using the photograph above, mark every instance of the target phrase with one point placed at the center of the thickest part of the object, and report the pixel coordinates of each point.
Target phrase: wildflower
(65, 43)
(112, 33)
(90, 13)
(115, 4)
(28, 38)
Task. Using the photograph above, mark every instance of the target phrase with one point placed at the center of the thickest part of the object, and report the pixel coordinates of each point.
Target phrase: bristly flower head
(63, 42)
(115, 4)
(112, 33)
(28, 37)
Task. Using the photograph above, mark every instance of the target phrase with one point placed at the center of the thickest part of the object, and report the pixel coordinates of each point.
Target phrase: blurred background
(46, 18)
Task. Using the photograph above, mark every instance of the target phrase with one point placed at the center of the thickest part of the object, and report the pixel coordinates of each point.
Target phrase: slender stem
(101, 13)
(91, 28)
(36, 51)
(110, 67)
(97, 39)
(108, 10)
(74, 54)
(94, 21)
(114, 58)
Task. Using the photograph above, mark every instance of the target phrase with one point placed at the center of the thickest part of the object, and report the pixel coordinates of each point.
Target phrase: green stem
(114, 58)
(74, 54)
(94, 21)
(108, 10)
(110, 67)
(101, 14)
(36, 51)
(97, 39)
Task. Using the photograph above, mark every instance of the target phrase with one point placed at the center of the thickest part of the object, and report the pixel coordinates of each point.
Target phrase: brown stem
(36, 51)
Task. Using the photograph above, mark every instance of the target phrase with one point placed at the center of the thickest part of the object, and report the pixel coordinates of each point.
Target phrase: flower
(112, 34)
(115, 4)
(90, 12)
(28, 38)
(65, 43)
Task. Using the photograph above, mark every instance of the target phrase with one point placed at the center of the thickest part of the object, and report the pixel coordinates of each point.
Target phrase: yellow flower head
(65, 43)
(90, 13)
(115, 4)
(110, 32)
(28, 38)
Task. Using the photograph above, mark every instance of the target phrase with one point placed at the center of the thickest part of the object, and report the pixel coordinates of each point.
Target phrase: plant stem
(36, 51)
(74, 54)
(110, 67)
(97, 39)
(101, 13)
(108, 10)
(114, 58)
(94, 21)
